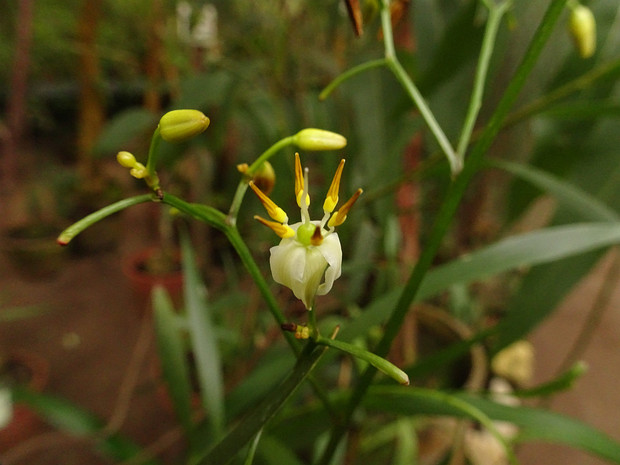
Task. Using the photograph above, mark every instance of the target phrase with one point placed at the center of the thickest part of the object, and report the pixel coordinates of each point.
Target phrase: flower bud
(515, 362)
(138, 171)
(319, 139)
(582, 27)
(126, 159)
(265, 178)
(179, 125)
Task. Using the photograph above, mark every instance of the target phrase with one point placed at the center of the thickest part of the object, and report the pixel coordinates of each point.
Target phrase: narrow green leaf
(277, 452)
(534, 248)
(203, 339)
(379, 363)
(563, 382)
(225, 450)
(249, 458)
(69, 417)
(535, 424)
(172, 355)
(543, 246)
(431, 402)
(585, 205)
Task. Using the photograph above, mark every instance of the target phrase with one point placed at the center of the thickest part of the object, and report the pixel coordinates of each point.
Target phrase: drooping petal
(332, 253)
(305, 269)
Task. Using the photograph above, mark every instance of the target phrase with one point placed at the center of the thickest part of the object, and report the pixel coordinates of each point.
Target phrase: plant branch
(496, 12)
(446, 213)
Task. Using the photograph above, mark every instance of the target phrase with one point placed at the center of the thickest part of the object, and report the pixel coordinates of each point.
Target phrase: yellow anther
(331, 200)
(281, 230)
(273, 210)
(302, 332)
(299, 182)
(341, 215)
(317, 237)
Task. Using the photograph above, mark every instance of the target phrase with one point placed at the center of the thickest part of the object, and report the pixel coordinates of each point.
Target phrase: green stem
(219, 221)
(580, 83)
(247, 176)
(378, 362)
(229, 447)
(411, 89)
(151, 177)
(270, 152)
(349, 74)
(490, 34)
(68, 234)
(446, 214)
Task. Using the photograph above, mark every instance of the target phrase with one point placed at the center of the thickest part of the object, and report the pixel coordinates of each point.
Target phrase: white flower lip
(307, 270)
(309, 257)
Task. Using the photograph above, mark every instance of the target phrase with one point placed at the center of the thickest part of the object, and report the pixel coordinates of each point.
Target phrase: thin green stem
(228, 448)
(379, 363)
(580, 83)
(496, 12)
(219, 221)
(270, 152)
(151, 177)
(349, 74)
(445, 215)
(247, 176)
(411, 89)
(76, 228)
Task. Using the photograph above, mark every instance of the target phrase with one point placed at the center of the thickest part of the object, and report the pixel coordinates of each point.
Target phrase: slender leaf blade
(580, 202)
(172, 354)
(535, 424)
(203, 339)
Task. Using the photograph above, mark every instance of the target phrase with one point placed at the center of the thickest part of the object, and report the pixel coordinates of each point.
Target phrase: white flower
(309, 257)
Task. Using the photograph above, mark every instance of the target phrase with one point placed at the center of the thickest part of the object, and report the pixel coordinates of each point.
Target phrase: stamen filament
(304, 202)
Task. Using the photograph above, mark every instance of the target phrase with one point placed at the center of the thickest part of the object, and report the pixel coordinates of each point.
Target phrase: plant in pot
(156, 266)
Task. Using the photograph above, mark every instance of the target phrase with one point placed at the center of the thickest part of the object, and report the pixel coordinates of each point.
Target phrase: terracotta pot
(32, 370)
(142, 280)
(32, 250)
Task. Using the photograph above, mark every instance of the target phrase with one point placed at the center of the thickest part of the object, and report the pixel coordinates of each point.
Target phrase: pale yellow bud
(582, 25)
(265, 178)
(180, 125)
(319, 139)
(138, 171)
(126, 159)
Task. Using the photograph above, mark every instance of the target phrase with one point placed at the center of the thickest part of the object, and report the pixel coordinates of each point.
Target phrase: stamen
(281, 230)
(341, 215)
(331, 200)
(317, 237)
(273, 210)
(304, 200)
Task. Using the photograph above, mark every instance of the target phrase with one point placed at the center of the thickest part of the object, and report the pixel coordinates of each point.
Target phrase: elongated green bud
(582, 25)
(319, 139)
(180, 125)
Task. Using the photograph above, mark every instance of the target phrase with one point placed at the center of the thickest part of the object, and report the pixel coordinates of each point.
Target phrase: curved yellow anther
(341, 215)
(299, 181)
(331, 200)
(281, 230)
(273, 210)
